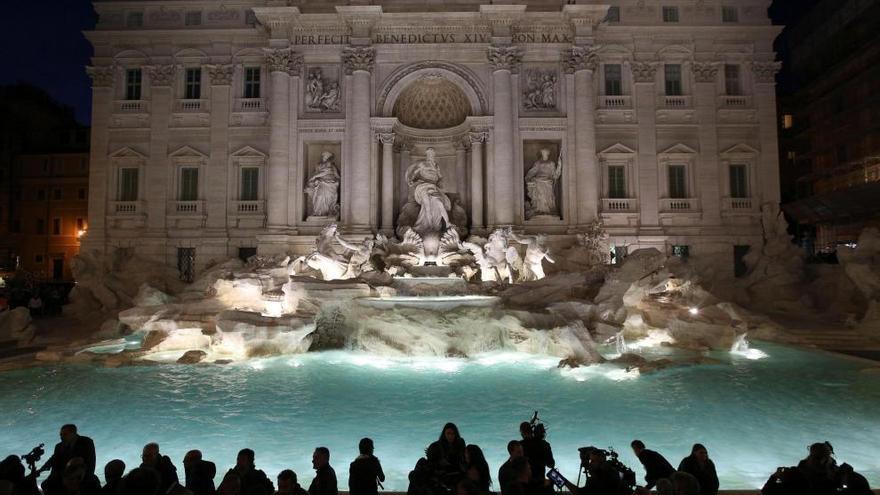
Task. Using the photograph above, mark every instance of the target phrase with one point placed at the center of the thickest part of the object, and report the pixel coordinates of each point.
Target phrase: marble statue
(322, 188)
(332, 265)
(536, 253)
(498, 261)
(540, 92)
(541, 181)
(424, 178)
(359, 261)
(321, 94)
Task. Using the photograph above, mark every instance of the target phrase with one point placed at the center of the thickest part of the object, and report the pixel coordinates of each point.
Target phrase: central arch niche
(432, 102)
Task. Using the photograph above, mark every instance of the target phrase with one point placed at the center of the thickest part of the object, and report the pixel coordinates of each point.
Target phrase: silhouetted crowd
(450, 467)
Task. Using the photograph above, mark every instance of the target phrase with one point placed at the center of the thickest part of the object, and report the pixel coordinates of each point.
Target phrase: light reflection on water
(753, 415)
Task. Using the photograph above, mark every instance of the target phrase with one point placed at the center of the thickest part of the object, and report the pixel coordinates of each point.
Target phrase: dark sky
(41, 43)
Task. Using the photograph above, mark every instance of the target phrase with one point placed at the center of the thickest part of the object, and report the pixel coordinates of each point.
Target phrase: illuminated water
(752, 414)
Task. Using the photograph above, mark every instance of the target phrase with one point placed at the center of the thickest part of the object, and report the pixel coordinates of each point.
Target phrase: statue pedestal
(321, 220)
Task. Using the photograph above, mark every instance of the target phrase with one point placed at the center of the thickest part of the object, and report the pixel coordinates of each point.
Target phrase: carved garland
(765, 72)
(505, 57)
(161, 75)
(356, 58)
(705, 72)
(643, 72)
(221, 75)
(580, 58)
(477, 137)
(102, 76)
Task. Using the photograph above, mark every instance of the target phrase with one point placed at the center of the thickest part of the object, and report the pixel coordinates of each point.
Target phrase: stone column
(156, 183)
(477, 138)
(708, 183)
(505, 60)
(765, 103)
(216, 178)
(358, 61)
(646, 114)
(387, 141)
(278, 60)
(582, 62)
(100, 190)
(461, 147)
(295, 186)
(404, 147)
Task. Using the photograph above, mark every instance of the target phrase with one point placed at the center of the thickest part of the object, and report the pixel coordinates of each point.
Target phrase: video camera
(537, 427)
(33, 457)
(627, 476)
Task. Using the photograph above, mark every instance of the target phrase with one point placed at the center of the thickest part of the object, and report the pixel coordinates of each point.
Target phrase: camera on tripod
(33, 457)
(626, 476)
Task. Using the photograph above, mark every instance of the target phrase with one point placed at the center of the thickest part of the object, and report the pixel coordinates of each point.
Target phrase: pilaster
(644, 74)
(217, 177)
(477, 138)
(504, 60)
(764, 74)
(386, 139)
(157, 180)
(358, 63)
(582, 62)
(100, 190)
(707, 171)
(278, 60)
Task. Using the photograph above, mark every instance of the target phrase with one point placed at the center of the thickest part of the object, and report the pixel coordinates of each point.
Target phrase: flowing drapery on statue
(541, 185)
(424, 178)
(322, 188)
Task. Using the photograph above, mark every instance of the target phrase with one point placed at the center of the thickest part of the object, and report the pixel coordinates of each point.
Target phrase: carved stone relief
(540, 89)
(323, 92)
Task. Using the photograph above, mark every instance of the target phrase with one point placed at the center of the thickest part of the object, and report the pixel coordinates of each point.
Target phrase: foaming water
(753, 415)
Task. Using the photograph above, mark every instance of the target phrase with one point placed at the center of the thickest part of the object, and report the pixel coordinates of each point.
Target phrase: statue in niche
(424, 179)
(321, 94)
(536, 253)
(540, 92)
(541, 181)
(322, 188)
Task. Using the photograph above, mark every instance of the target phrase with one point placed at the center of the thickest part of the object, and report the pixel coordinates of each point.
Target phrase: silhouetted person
(199, 473)
(113, 472)
(505, 472)
(71, 445)
(251, 477)
(13, 472)
(601, 477)
(685, 483)
(850, 482)
(820, 468)
(325, 477)
(287, 484)
(88, 484)
(163, 466)
(702, 468)
(521, 484)
(786, 481)
(477, 469)
(467, 486)
(446, 456)
(656, 466)
(538, 451)
(365, 472)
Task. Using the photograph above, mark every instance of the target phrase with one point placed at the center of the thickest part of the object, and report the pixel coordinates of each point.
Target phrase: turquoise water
(753, 415)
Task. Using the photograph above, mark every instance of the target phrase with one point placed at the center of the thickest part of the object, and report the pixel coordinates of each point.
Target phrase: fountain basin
(441, 303)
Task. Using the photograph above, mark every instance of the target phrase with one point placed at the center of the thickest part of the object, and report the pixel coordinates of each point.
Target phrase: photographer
(12, 471)
(602, 478)
(537, 450)
(71, 445)
(656, 466)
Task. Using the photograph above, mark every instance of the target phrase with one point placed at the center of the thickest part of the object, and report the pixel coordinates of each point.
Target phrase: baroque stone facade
(207, 135)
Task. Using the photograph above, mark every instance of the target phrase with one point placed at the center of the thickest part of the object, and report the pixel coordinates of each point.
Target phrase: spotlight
(694, 311)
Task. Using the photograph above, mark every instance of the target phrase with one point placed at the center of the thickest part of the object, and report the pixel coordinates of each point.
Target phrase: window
(677, 181)
(134, 19)
(189, 184)
(613, 14)
(41, 226)
(731, 80)
(616, 181)
(193, 88)
(56, 226)
(128, 184)
(670, 14)
(41, 195)
(133, 79)
(56, 194)
(245, 253)
(613, 80)
(672, 76)
(250, 183)
(681, 250)
(252, 82)
(81, 193)
(193, 18)
(787, 121)
(739, 184)
(729, 14)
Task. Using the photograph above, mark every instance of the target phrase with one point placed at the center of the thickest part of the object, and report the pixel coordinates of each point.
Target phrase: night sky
(41, 43)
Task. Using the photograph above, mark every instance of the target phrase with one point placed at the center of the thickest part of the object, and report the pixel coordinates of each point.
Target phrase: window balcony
(734, 102)
(186, 208)
(739, 205)
(619, 205)
(250, 105)
(131, 106)
(126, 208)
(679, 205)
(191, 106)
(254, 208)
(621, 102)
(674, 102)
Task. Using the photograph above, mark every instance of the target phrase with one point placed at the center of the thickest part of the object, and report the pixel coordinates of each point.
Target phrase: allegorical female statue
(541, 185)
(424, 178)
(322, 188)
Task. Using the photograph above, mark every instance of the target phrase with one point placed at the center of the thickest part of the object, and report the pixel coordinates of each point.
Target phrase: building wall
(375, 54)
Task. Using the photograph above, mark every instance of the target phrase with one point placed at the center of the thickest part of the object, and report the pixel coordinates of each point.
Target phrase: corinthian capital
(296, 64)
(477, 137)
(643, 72)
(579, 58)
(102, 76)
(220, 74)
(161, 75)
(385, 138)
(505, 57)
(765, 72)
(705, 72)
(356, 58)
(278, 59)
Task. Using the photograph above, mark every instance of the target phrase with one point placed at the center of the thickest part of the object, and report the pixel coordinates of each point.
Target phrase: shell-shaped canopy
(432, 102)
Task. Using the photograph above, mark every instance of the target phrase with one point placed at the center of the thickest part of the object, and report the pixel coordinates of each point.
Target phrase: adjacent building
(829, 102)
(215, 126)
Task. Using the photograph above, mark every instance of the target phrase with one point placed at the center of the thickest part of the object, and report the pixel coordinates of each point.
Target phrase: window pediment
(740, 150)
(187, 154)
(617, 150)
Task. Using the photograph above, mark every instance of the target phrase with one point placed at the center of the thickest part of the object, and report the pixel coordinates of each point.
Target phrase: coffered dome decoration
(432, 102)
